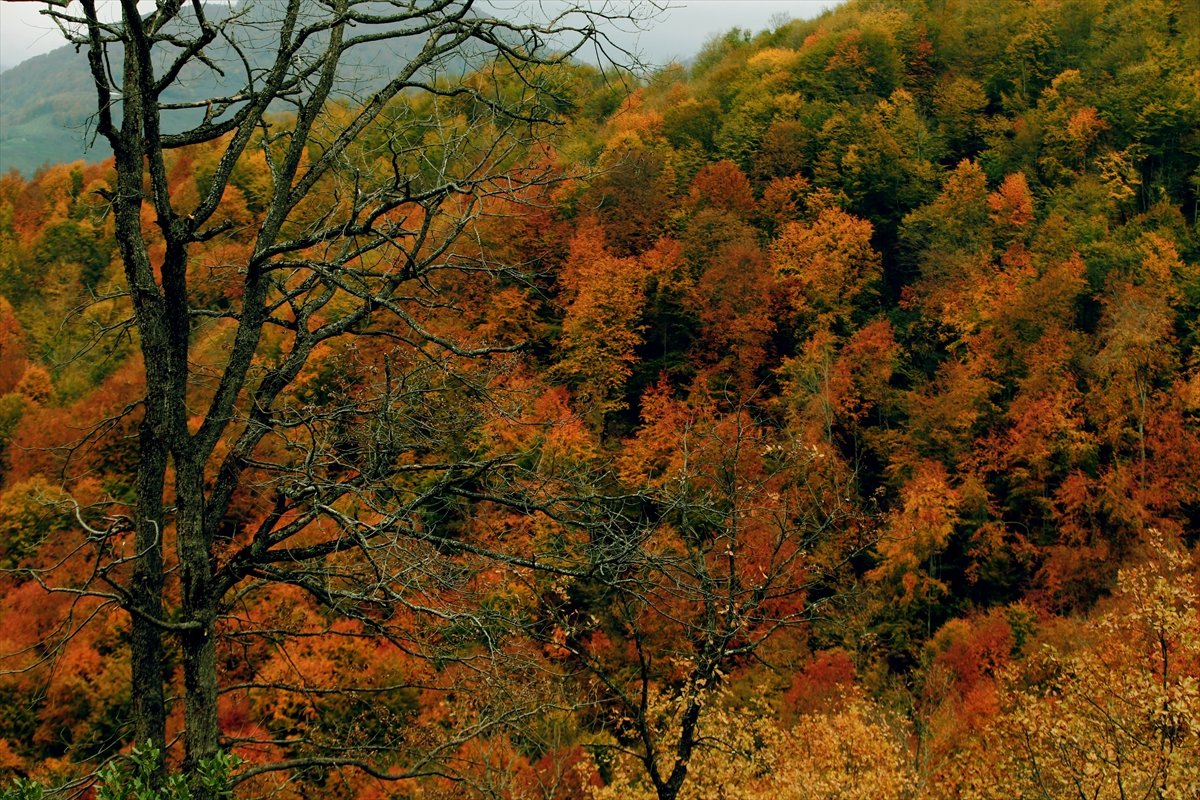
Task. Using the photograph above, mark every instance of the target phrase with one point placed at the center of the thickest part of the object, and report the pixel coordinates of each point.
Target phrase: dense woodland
(836, 435)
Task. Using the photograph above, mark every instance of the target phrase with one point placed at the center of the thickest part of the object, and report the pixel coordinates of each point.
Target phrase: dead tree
(373, 187)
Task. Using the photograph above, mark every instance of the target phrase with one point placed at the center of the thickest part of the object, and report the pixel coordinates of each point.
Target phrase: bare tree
(371, 193)
(734, 536)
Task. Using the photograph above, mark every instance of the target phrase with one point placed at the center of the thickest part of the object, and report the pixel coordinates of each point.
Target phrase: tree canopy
(819, 417)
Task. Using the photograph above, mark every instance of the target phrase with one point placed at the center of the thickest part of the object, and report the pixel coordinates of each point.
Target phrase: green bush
(133, 779)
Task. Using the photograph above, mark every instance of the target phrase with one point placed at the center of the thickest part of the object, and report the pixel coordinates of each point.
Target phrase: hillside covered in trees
(819, 420)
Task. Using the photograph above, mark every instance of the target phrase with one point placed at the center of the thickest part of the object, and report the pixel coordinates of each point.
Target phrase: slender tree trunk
(149, 703)
(199, 644)
(200, 702)
(146, 589)
(673, 785)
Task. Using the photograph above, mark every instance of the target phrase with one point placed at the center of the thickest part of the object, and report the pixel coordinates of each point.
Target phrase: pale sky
(678, 35)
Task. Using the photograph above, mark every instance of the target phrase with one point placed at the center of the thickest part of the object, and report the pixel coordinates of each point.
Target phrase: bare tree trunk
(348, 271)
(198, 643)
(689, 731)
(146, 656)
(146, 588)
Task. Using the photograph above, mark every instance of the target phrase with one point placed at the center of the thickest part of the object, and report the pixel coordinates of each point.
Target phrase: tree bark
(146, 655)
(146, 588)
(197, 607)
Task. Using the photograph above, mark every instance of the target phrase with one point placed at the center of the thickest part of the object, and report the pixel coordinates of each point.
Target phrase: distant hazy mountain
(48, 104)
(45, 105)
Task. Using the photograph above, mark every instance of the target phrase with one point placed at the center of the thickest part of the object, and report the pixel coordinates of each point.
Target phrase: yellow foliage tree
(854, 752)
(1119, 718)
(600, 330)
(829, 264)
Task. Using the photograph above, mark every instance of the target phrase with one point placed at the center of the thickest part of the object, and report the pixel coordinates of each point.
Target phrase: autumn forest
(817, 419)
